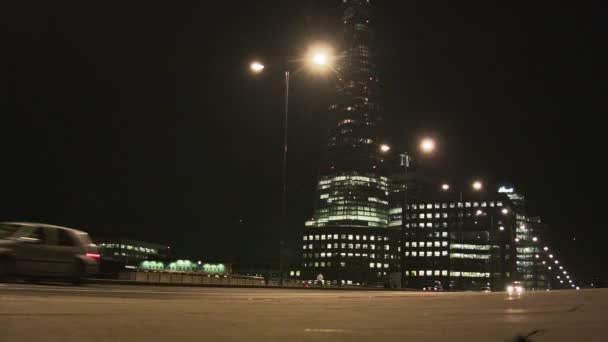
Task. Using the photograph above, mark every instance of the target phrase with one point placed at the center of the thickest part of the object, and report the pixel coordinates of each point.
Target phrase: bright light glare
(546, 248)
(505, 211)
(445, 187)
(501, 228)
(385, 148)
(427, 145)
(257, 67)
(477, 185)
(319, 58)
(535, 239)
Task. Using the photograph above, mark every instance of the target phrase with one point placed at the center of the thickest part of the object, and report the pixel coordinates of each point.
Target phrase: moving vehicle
(34, 250)
(515, 287)
(434, 286)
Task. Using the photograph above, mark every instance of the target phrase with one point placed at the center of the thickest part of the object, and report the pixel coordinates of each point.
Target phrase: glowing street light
(320, 58)
(551, 256)
(445, 187)
(546, 248)
(535, 239)
(385, 148)
(256, 67)
(501, 228)
(427, 145)
(505, 211)
(477, 185)
(478, 212)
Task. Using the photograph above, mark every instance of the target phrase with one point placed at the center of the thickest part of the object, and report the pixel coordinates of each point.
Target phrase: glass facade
(352, 192)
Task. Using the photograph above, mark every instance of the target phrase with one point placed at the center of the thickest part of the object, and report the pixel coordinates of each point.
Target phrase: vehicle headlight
(519, 289)
(510, 288)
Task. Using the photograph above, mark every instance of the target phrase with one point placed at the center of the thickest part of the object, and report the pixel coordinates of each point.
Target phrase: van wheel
(77, 277)
(7, 267)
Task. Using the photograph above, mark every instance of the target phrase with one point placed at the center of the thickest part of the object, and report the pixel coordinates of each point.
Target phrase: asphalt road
(144, 313)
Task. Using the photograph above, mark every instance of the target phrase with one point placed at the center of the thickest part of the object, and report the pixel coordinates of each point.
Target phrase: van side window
(64, 238)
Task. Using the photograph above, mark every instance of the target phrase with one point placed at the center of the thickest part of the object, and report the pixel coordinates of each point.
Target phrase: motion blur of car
(33, 250)
(515, 287)
(435, 286)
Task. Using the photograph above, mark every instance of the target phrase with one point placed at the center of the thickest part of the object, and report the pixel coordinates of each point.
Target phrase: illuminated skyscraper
(347, 238)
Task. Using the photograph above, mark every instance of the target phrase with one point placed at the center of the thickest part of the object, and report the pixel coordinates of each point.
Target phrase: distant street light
(427, 145)
(535, 239)
(256, 67)
(445, 187)
(477, 185)
(385, 148)
(505, 211)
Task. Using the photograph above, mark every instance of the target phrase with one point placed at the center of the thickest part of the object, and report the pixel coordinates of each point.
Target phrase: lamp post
(427, 145)
(319, 58)
(476, 186)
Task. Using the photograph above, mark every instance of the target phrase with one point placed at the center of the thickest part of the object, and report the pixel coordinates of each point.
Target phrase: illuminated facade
(464, 244)
(351, 208)
(530, 270)
(131, 252)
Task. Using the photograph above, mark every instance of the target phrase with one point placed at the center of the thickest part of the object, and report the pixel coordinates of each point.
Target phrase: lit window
(491, 204)
(421, 216)
(342, 245)
(379, 265)
(414, 253)
(335, 236)
(343, 236)
(499, 204)
(436, 272)
(358, 237)
(452, 205)
(436, 253)
(444, 234)
(372, 265)
(350, 237)
(444, 243)
(358, 246)
(322, 255)
(350, 246)
(317, 237)
(421, 253)
(483, 204)
(342, 264)
(429, 206)
(364, 237)
(437, 244)
(429, 224)
(475, 204)
(444, 205)
(372, 238)
(305, 238)
(444, 253)
(329, 246)
(444, 273)
(310, 246)
(467, 204)
(323, 237)
(414, 244)
(328, 255)
(385, 265)
(350, 255)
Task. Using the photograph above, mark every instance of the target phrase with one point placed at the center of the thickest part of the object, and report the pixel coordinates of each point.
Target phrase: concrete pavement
(148, 313)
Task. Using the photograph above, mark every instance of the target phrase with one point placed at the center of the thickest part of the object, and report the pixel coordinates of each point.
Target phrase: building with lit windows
(347, 240)
(530, 269)
(464, 244)
(131, 252)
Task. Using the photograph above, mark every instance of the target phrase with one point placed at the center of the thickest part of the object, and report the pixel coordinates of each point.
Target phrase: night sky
(140, 119)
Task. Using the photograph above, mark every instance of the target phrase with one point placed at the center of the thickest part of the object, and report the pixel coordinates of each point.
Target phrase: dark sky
(140, 119)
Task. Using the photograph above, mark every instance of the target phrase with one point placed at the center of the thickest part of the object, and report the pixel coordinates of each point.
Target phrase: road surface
(148, 313)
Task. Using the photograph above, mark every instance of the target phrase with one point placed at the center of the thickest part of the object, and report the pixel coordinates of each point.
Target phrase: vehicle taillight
(95, 256)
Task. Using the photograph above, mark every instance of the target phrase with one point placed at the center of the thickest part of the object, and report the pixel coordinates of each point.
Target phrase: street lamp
(427, 145)
(320, 58)
(477, 185)
(445, 187)
(256, 67)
